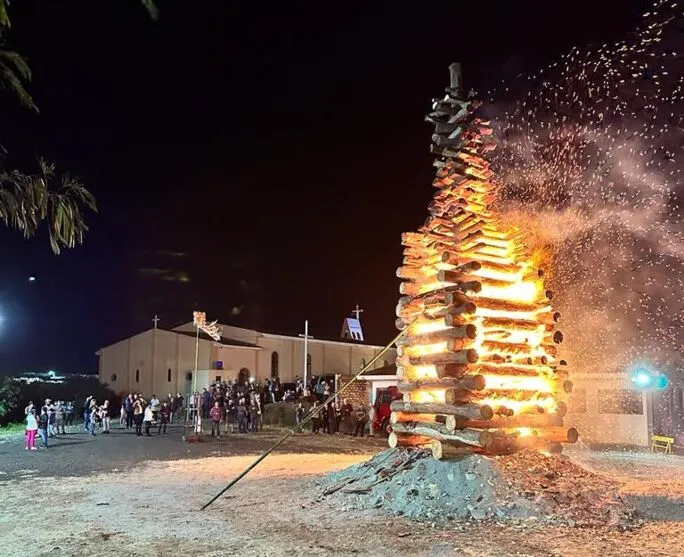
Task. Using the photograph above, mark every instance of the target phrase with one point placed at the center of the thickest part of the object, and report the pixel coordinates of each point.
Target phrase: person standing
(299, 415)
(316, 419)
(138, 415)
(106, 419)
(215, 415)
(70, 413)
(86, 413)
(128, 409)
(148, 419)
(338, 416)
(361, 419)
(331, 418)
(164, 417)
(52, 417)
(59, 418)
(371, 420)
(94, 416)
(347, 410)
(31, 429)
(43, 425)
(242, 416)
(154, 404)
(29, 408)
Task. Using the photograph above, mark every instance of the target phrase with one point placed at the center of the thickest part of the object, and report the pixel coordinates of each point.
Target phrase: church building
(159, 361)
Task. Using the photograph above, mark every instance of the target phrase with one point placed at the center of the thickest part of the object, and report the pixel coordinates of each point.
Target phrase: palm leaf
(13, 71)
(27, 201)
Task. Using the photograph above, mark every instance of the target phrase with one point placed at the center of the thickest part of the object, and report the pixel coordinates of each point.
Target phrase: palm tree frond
(151, 7)
(14, 69)
(4, 16)
(26, 201)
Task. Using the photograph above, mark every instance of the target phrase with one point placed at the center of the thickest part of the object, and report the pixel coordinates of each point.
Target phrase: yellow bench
(660, 443)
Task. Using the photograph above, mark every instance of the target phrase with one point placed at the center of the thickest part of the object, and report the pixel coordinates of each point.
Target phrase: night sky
(258, 161)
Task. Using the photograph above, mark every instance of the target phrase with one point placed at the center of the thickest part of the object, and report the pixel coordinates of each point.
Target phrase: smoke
(589, 164)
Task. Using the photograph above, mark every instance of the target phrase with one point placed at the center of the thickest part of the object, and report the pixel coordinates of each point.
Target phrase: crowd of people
(229, 406)
(47, 421)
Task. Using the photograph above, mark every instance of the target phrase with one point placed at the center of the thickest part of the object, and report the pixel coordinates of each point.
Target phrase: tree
(29, 200)
(9, 395)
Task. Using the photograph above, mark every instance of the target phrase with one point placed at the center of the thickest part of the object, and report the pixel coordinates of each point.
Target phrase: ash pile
(526, 486)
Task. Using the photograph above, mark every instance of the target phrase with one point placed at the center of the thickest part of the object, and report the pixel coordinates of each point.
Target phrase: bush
(9, 396)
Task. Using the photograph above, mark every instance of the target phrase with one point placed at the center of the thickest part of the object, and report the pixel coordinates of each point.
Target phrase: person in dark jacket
(347, 410)
(242, 416)
(164, 417)
(361, 419)
(43, 421)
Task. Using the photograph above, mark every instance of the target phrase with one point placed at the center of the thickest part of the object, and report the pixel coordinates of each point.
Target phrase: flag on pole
(199, 320)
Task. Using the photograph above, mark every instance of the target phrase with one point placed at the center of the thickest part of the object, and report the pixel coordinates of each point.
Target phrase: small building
(159, 361)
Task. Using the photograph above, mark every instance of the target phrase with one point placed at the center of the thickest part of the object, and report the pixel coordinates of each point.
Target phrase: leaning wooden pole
(306, 420)
(478, 367)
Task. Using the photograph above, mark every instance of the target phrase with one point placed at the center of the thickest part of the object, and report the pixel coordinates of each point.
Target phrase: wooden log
(470, 411)
(441, 450)
(456, 275)
(473, 437)
(491, 368)
(456, 310)
(454, 395)
(509, 305)
(395, 440)
(401, 417)
(467, 356)
(503, 422)
(469, 382)
(412, 273)
(462, 332)
(451, 370)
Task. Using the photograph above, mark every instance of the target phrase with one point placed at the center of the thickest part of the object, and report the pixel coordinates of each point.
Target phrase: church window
(168, 375)
(308, 364)
(137, 375)
(188, 376)
(113, 377)
(274, 364)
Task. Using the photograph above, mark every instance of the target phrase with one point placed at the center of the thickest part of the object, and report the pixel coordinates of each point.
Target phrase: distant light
(251, 379)
(642, 379)
(32, 278)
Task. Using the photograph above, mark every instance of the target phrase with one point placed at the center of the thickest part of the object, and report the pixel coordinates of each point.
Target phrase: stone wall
(357, 393)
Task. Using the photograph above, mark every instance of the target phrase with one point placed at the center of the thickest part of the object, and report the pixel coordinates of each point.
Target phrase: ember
(478, 365)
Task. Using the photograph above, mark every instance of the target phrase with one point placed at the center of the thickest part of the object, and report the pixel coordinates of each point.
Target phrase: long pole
(306, 350)
(308, 418)
(198, 416)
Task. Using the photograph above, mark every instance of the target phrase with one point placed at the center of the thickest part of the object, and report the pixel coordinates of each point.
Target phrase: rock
(478, 514)
(470, 476)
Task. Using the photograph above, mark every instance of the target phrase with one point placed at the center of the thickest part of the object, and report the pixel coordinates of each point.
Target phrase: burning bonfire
(478, 365)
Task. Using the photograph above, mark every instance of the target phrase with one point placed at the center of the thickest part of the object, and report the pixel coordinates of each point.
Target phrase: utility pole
(306, 349)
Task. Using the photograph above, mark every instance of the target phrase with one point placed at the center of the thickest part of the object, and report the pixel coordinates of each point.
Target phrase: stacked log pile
(479, 365)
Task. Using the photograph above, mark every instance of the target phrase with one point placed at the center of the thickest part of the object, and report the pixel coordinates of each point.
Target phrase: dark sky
(258, 156)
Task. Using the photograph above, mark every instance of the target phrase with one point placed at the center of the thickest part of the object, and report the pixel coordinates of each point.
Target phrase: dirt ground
(119, 494)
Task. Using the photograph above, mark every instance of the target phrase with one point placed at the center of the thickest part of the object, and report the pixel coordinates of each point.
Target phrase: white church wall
(114, 366)
(234, 359)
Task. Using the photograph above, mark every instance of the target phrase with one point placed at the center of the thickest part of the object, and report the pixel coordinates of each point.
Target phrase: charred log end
(471, 330)
(479, 382)
(563, 363)
(561, 408)
(557, 337)
(567, 386)
(573, 435)
(472, 356)
(486, 412)
(400, 324)
(549, 294)
(556, 316)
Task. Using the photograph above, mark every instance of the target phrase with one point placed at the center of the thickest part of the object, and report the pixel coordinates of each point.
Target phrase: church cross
(357, 312)
(156, 320)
